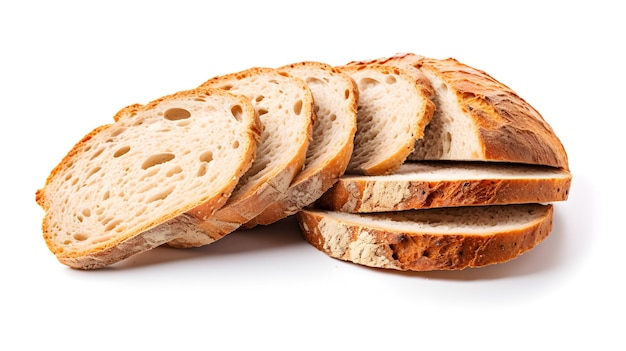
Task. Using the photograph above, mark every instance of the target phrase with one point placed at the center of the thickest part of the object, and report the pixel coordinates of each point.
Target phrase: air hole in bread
(333, 117)
(173, 171)
(97, 153)
(313, 81)
(112, 225)
(262, 111)
(117, 132)
(390, 80)
(274, 81)
(106, 195)
(297, 107)
(156, 160)
(347, 94)
(86, 212)
(80, 237)
(207, 156)
(93, 171)
(176, 114)
(200, 99)
(236, 144)
(259, 98)
(161, 195)
(237, 112)
(368, 83)
(202, 170)
(122, 151)
(226, 87)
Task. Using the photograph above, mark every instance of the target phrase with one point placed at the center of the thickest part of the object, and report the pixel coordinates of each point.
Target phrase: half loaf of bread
(430, 184)
(478, 117)
(285, 106)
(149, 177)
(429, 239)
(335, 98)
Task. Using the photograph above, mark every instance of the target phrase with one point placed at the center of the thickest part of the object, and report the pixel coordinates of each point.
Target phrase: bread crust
(415, 189)
(389, 248)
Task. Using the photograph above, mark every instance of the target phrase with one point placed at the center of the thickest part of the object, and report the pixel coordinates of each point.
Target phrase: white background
(67, 67)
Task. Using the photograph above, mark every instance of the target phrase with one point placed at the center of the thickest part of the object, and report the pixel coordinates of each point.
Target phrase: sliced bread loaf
(429, 239)
(285, 106)
(394, 108)
(427, 184)
(132, 185)
(479, 118)
(335, 95)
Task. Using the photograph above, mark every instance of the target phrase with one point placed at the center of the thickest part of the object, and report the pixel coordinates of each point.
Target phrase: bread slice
(285, 106)
(335, 98)
(429, 184)
(394, 108)
(479, 118)
(135, 184)
(429, 239)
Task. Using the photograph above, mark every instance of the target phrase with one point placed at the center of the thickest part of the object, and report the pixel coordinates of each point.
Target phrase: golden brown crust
(379, 194)
(510, 129)
(423, 251)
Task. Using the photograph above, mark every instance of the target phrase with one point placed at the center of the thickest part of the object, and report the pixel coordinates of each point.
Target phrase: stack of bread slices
(404, 162)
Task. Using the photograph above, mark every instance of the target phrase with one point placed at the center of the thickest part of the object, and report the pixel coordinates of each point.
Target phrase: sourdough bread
(479, 118)
(149, 177)
(335, 98)
(431, 184)
(285, 106)
(428, 239)
(394, 108)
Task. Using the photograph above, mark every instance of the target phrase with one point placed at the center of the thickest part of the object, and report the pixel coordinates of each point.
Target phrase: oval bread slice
(430, 239)
(285, 106)
(132, 185)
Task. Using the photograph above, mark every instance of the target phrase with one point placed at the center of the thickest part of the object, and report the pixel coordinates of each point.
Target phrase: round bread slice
(394, 108)
(429, 239)
(335, 98)
(285, 106)
(479, 118)
(144, 180)
(432, 184)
